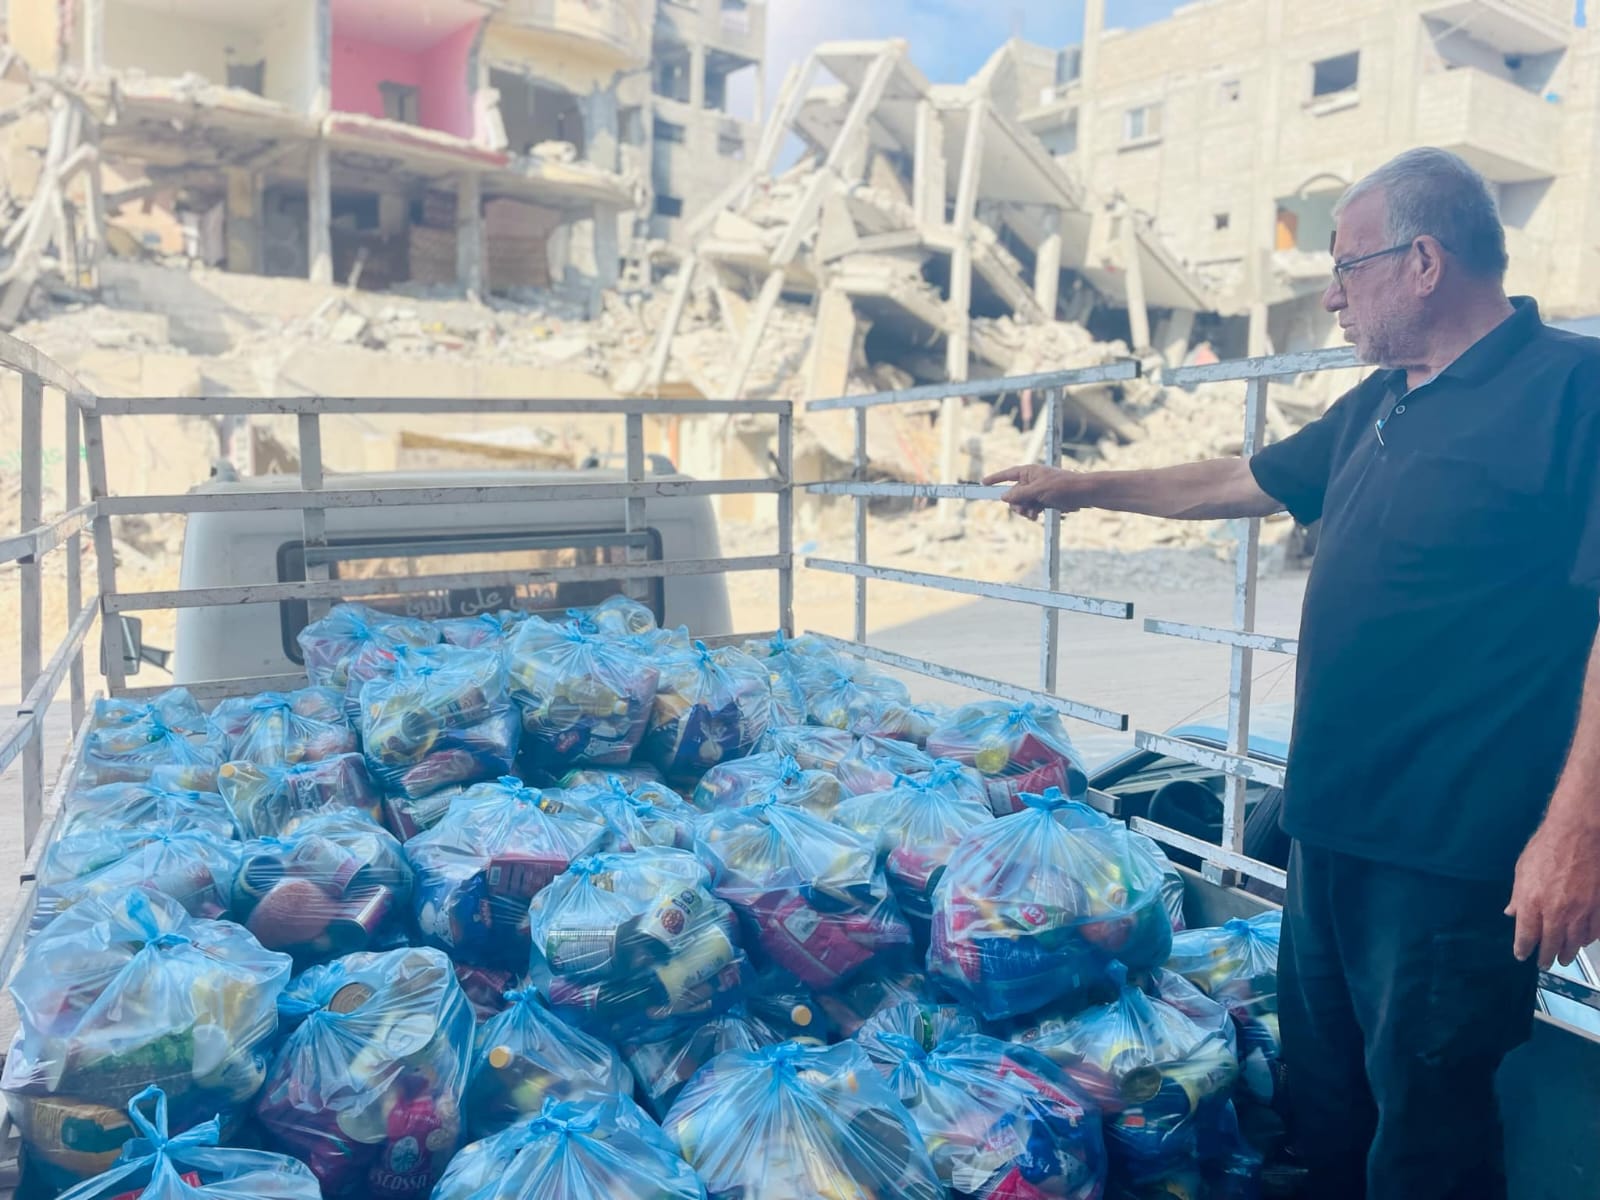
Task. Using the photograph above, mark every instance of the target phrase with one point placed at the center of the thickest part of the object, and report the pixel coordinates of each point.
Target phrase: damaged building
(488, 145)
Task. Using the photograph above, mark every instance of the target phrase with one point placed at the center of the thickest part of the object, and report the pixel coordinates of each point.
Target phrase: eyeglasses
(1341, 269)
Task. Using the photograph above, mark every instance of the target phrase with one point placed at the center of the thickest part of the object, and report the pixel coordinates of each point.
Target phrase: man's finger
(1528, 927)
(1009, 475)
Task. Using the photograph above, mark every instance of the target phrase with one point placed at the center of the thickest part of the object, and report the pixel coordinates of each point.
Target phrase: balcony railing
(620, 26)
(1507, 132)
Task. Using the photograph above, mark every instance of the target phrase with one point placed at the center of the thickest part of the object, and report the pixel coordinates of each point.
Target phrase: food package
(193, 1165)
(126, 991)
(874, 763)
(134, 750)
(271, 801)
(351, 637)
(527, 1055)
(584, 699)
(366, 1088)
(1020, 750)
(625, 943)
(616, 616)
(917, 823)
(492, 631)
(849, 695)
(796, 1122)
(1236, 964)
(192, 867)
(1160, 1071)
(338, 884)
(784, 659)
(633, 776)
(999, 1119)
(663, 1065)
(407, 816)
(711, 706)
(116, 807)
(762, 777)
(443, 717)
(1033, 905)
(280, 729)
(810, 894)
(175, 708)
(574, 1150)
(870, 993)
(487, 989)
(478, 868)
(638, 813)
(1173, 890)
(814, 747)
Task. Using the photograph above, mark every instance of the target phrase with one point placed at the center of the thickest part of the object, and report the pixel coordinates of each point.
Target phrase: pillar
(469, 233)
(697, 76)
(321, 57)
(1094, 23)
(1138, 313)
(759, 116)
(607, 257)
(1172, 339)
(833, 342)
(244, 220)
(94, 36)
(319, 214)
(1047, 265)
(394, 213)
(958, 339)
(927, 177)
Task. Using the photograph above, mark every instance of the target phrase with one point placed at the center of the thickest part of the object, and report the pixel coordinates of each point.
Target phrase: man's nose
(1333, 298)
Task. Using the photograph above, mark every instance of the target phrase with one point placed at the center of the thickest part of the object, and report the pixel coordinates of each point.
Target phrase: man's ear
(1430, 263)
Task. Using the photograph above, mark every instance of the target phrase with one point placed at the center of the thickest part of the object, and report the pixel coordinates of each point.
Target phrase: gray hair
(1433, 192)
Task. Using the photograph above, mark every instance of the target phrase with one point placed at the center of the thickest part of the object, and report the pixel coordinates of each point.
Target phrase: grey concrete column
(469, 232)
(319, 214)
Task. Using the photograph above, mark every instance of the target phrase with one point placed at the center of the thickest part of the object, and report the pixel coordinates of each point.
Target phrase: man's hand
(1556, 896)
(1038, 488)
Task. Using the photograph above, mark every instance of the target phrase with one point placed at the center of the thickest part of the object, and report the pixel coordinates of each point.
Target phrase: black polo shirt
(1452, 604)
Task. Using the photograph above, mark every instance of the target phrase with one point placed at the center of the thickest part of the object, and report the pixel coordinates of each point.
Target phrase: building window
(1221, 221)
(730, 145)
(670, 131)
(668, 206)
(1331, 76)
(1142, 124)
(400, 102)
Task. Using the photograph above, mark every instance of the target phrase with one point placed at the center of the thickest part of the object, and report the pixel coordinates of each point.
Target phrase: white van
(227, 549)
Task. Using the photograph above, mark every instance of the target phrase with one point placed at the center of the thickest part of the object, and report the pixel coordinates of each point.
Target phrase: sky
(950, 39)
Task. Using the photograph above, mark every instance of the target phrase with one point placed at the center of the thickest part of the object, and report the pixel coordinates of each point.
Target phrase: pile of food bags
(125, 991)
(797, 1121)
(1033, 906)
(478, 868)
(367, 1086)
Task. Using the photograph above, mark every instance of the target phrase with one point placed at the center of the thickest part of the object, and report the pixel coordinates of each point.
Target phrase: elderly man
(1443, 787)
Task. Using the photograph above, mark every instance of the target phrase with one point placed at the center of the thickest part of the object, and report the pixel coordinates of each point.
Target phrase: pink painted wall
(447, 94)
(439, 74)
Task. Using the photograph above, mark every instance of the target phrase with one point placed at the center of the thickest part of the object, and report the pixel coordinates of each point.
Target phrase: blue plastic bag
(638, 813)
(574, 1151)
(616, 616)
(999, 1119)
(193, 1165)
(628, 943)
(444, 717)
(338, 884)
(874, 763)
(271, 801)
(585, 699)
(527, 1055)
(478, 868)
(810, 894)
(1021, 750)
(115, 807)
(797, 1121)
(354, 640)
(280, 729)
(1032, 907)
(663, 1065)
(763, 777)
(192, 867)
(175, 708)
(1236, 964)
(1173, 889)
(492, 631)
(1160, 1069)
(814, 747)
(122, 992)
(849, 695)
(917, 823)
(711, 706)
(134, 751)
(366, 1089)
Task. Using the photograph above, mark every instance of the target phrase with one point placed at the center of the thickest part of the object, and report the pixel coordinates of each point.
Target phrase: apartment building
(708, 78)
(1236, 124)
(487, 144)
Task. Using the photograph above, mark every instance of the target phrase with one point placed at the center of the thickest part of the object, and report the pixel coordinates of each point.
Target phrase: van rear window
(444, 554)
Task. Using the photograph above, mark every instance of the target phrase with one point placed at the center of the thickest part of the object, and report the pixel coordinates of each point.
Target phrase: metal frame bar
(495, 493)
(1050, 567)
(912, 491)
(1120, 610)
(1273, 366)
(786, 523)
(1268, 642)
(979, 683)
(31, 609)
(1221, 761)
(1112, 372)
(1231, 860)
(334, 406)
(35, 543)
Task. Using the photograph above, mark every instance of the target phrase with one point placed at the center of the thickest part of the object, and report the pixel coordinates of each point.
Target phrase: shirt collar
(1485, 356)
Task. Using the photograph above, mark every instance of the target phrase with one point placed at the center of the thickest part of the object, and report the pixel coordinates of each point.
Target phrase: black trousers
(1398, 996)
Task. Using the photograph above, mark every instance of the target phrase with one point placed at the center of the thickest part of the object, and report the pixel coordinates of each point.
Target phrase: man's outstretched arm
(1202, 491)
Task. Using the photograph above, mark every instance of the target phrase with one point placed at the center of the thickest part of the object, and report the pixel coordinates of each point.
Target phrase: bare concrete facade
(1235, 124)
